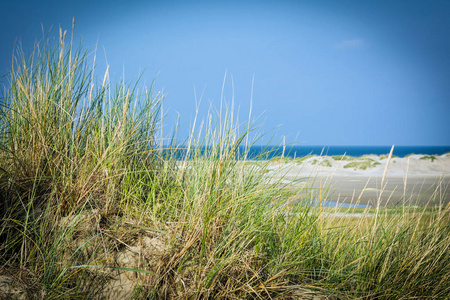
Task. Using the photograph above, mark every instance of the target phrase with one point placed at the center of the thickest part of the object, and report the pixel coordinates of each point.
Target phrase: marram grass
(92, 209)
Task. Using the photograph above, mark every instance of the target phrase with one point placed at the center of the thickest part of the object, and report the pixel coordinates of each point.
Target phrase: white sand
(413, 166)
(411, 179)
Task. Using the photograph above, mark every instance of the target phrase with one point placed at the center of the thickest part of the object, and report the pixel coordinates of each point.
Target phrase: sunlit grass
(92, 208)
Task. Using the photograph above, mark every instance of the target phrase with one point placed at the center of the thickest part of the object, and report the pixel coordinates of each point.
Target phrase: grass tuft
(362, 165)
(428, 157)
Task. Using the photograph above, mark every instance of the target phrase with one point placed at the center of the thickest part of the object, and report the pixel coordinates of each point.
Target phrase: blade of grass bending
(383, 179)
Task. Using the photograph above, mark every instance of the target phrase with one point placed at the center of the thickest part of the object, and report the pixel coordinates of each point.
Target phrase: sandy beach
(414, 180)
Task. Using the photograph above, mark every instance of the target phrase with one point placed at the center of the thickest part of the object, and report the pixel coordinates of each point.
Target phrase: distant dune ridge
(368, 165)
(413, 179)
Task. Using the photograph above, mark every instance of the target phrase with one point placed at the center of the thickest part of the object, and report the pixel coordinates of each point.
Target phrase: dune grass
(92, 208)
(322, 162)
(362, 165)
(432, 158)
(343, 157)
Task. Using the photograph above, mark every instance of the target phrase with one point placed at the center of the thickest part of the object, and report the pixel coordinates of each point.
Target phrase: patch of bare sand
(10, 288)
(140, 251)
(146, 251)
(133, 255)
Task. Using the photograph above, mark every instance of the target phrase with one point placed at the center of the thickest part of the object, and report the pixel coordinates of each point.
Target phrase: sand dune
(414, 180)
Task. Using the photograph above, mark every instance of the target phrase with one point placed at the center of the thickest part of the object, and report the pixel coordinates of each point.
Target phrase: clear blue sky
(344, 72)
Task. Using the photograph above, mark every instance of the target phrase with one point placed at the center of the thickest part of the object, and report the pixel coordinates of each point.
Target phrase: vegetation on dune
(92, 208)
(343, 157)
(300, 160)
(386, 156)
(362, 165)
(428, 157)
(322, 162)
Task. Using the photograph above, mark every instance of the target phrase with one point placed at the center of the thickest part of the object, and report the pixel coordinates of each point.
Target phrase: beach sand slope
(412, 180)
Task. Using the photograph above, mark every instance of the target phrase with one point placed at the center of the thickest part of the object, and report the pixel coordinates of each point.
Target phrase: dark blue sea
(268, 152)
(300, 151)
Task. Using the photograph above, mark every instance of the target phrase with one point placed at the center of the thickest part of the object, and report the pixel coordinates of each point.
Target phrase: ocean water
(267, 152)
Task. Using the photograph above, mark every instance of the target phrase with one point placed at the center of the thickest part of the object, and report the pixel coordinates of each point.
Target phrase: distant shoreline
(271, 151)
(356, 151)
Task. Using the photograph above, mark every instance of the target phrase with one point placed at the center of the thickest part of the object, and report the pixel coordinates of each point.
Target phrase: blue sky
(345, 72)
